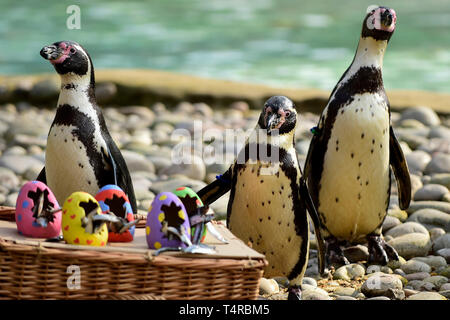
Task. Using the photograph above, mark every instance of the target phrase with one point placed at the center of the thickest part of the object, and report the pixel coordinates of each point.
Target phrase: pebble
(417, 161)
(137, 162)
(309, 281)
(441, 178)
(349, 272)
(431, 192)
(389, 223)
(438, 205)
(426, 296)
(399, 214)
(417, 276)
(313, 293)
(347, 291)
(424, 115)
(268, 286)
(381, 284)
(416, 184)
(437, 281)
(406, 228)
(442, 242)
(436, 262)
(356, 253)
(431, 218)
(420, 285)
(345, 298)
(436, 233)
(192, 168)
(414, 266)
(445, 253)
(19, 164)
(440, 163)
(8, 179)
(445, 272)
(411, 245)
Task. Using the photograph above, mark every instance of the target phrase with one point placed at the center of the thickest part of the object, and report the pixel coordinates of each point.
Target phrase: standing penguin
(80, 154)
(269, 198)
(353, 146)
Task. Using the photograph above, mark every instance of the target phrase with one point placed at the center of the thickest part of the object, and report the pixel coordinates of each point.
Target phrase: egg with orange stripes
(83, 222)
(166, 213)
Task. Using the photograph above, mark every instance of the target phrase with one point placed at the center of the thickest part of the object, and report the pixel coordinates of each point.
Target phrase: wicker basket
(32, 269)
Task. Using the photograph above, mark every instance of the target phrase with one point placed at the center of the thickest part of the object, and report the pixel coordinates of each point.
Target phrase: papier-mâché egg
(75, 209)
(34, 211)
(166, 209)
(112, 198)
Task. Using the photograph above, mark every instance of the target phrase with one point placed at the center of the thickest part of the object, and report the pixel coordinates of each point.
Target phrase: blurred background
(283, 43)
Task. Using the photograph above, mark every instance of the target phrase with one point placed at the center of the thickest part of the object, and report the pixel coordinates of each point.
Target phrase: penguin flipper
(42, 176)
(400, 167)
(121, 176)
(216, 189)
(306, 198)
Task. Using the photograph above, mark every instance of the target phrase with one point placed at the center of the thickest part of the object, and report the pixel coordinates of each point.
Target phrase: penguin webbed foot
(294, 292)
(379, 251)
(334, 253)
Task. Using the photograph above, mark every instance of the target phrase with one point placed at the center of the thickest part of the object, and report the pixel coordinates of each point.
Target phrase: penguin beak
(272, 122)
(387, 17)
(54, 53)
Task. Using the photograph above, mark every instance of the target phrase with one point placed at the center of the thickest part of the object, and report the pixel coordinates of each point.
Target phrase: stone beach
(150, 135)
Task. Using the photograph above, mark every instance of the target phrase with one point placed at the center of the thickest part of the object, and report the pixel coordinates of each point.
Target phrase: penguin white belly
(67, 164)
(355, 179)
(262, 214)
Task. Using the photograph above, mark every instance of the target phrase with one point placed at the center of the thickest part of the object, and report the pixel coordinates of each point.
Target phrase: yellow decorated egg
(80, 223)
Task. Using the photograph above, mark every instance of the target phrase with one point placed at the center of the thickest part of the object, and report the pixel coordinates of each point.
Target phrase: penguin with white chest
(80, 153)
(269, 198)
(353, 148)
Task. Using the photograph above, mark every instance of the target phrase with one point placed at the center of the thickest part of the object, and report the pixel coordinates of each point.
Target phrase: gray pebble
(431, 218)
(442, 242)
(435, 262)
(417, 161)
(356, 253)
(437, 281)
(389, 223)
(381, 284)
(445, 253)
(436, 233)
(425, 115)
(406, 228)
(414, 266)
(426, 296)
(417, 276)
(431, 192)
(420, 285)
(310, 281)
(349, 272)
(440, 163)
(441, 178)
(438, 205)
(412, 245)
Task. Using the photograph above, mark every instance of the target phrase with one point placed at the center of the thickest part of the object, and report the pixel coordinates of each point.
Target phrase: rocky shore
(145, 130)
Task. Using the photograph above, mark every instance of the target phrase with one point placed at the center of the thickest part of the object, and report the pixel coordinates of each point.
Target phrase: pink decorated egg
(166, 210)
(112, 198)
(34, 211)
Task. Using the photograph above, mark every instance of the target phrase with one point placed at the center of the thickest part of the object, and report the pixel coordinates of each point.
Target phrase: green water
(278, 42)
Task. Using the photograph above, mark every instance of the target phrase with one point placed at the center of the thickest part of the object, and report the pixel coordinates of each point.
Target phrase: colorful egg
(75, 209)
(191, 202)
(27, 205)
(166, 209)
(112, 198)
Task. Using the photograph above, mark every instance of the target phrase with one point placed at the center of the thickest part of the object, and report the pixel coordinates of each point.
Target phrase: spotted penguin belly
(67, 164)
(262, 215)
(355, 180)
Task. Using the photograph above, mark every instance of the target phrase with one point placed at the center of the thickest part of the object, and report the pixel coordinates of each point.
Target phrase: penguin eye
(287, 113)
(72, 50)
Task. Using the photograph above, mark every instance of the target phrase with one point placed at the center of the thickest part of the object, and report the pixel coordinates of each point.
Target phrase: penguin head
(67, 57)
(379, 23)
(278, 114)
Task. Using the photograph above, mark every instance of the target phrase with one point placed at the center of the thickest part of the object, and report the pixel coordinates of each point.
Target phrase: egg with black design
(82, 221)
(113, 199)
(166, 211)
(37, 211)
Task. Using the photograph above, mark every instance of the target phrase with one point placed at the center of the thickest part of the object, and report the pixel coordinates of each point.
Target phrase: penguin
(353, 148)
(269, 198)
(80, 153)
